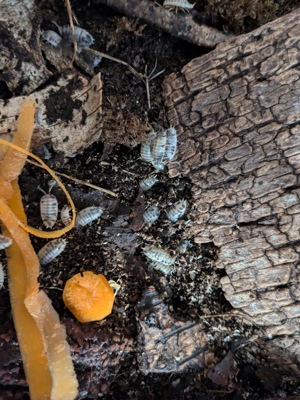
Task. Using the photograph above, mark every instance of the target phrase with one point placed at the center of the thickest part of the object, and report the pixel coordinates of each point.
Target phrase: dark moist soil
(106, 353)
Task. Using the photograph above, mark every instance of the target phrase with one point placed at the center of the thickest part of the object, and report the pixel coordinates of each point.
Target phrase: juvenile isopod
(145, 152)
(158, 146)
(49, 207)
(51, 250)
(2, 276)
(147, 183)
(88, 215)
(84, 38)
(51, 37)
(183, 5)
(165, 269)
(177, 210)
(151, 214)
(65, 215)
(5, 242)
(158, 255)
(171, 145)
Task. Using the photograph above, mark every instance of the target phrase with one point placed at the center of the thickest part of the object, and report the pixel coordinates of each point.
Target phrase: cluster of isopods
(158, 149)
(83, 38)
(49, 214)
(182, 5)
(4, 243)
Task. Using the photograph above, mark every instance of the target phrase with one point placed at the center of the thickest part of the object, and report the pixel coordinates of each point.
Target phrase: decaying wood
(21, 65)
(237, 113)
(69, 115)
(179, 25)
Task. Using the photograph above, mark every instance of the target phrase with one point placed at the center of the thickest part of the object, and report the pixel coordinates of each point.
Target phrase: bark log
(237, 114)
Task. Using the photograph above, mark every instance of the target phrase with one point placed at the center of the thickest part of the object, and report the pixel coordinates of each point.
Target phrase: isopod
(49, 207)
(51, 37)
(151, 214)
(183, 5)
(145, 152)
(165, 269)
(171, 145)
(160, 166)
(5, 242)
(51, 250)
(88, 215)
(158, 146)
(84, 38)
(65, 215)
(177, 210)
(2, 276)
(158, 255)
(147, 183)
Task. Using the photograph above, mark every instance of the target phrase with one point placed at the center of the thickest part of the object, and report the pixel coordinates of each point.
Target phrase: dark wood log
(237, 113)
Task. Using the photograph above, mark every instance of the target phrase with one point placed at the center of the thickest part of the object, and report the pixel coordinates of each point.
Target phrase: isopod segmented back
(158, 146)
(51, 250)
(178, 4)
(88, 215)
(151, 214)
(49, 210)
(158, 255)
(65, 215)
(171, 145)
(165, 269)
(177, 210)
(51, 37)
(147, 183)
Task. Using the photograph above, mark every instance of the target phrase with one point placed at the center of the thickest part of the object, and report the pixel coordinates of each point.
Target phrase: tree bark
(237, 114)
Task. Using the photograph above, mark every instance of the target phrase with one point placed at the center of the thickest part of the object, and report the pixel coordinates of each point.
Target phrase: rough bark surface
(21, 66)
(237, 113)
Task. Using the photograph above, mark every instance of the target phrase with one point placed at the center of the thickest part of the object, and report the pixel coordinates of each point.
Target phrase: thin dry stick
(79, 181)
(69, 10)
(142, 77)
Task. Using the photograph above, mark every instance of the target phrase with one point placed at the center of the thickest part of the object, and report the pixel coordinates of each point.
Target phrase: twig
(79, 181)
(179, 25)
(69, 10)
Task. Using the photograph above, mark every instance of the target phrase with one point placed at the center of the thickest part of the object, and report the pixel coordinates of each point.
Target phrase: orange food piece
(88, 296)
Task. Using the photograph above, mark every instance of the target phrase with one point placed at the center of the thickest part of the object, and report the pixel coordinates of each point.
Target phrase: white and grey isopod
(183, 5)
(84, 38)
(51, 250)
(49, 207)
(51, 37)
(5, 242)
(88, 215)
(147, 183)
(65, 215)
(177, 210)
(145, 151)
(158, 146)
(151, 214)
(165, 269)
(171, 144)
(158, 255)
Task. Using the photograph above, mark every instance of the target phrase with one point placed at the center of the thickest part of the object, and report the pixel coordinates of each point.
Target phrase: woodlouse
(183, 5)
(5, 242)
(147, 183)
(165, 269)
(51, 37)
(158, 255)
(151, 214)
(158, 146)
(84, 38)
(171, 145)
(177, 210)
(51, 250)
(88, 215)
(49, 207)
(65, 215)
